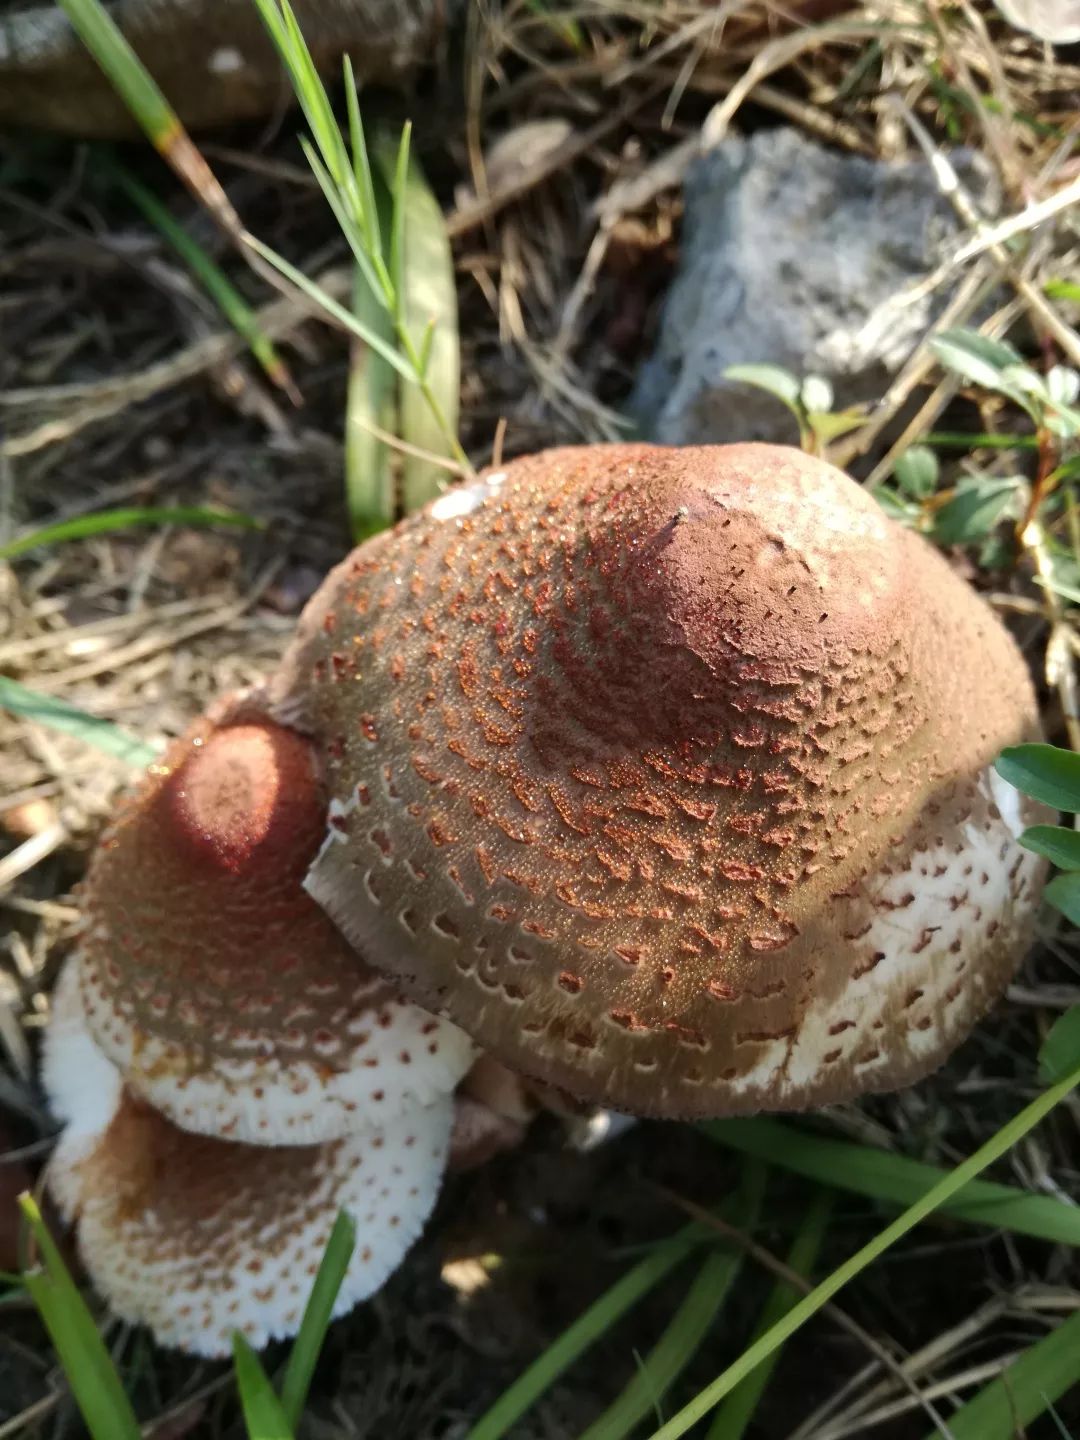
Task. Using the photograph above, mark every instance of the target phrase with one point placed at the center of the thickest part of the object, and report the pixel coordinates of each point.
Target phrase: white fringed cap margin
(199, 1237)
(222, 992)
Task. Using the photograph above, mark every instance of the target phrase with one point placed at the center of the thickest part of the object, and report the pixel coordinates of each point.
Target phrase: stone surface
(212, 58)
(797, 256)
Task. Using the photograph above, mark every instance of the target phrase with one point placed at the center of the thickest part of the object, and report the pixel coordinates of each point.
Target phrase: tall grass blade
(333, 308)
(689, 1325)
(1024, 1390)
(370, 406)
(946, 1189)
(129, 77)
(95, 1385)
(500, 1420)
(59, 715)
(429, 411)
(106, 522)
(159, 121)
(210, 275)
(896, 1180)
(264, 1417)
(317, 1314)
(738, 1410)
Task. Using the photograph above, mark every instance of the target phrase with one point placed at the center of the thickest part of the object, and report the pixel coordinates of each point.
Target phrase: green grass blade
(349, 228)
(1024, 1390)
(126, 72)
(105, 522)
(585, 1331)
(946, 1189)
(896, 1180)
(365, 182)
(95, 1385)
(308, 88)
(371, 401)
(978, 440)
(264, 1417)
(422, 269)
(673, 1351)
(738, 1410)
(319, 1309)
(213, 279)
(59, 715)
(689, 1325)
(332, 307)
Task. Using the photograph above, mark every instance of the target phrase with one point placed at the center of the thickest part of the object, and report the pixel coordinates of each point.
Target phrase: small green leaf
(772, 378)
(916, 472)
(975, 357)
(1060, 1051)
(317, 1315)
(1045, 772)
(1063, 893)
(264, 1418)
(1060, 845)
(975, 509)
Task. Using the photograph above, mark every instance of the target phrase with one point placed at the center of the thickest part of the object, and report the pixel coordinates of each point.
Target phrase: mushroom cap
(198, 1237)
(665, 773)
(217, 986)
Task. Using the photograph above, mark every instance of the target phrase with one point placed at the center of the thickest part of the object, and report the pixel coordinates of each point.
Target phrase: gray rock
(802, 257)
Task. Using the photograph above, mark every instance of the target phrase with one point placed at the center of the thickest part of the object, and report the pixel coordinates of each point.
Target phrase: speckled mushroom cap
(665, 772)
(197, 1237)
(220, 989)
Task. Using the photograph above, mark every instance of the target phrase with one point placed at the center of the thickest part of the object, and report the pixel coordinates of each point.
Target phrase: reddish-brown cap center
(248, 795)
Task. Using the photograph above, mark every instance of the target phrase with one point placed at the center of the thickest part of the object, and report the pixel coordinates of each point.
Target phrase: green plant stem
(945, 1190)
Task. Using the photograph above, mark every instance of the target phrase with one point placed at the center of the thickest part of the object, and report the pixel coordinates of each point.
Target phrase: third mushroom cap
(666, 773)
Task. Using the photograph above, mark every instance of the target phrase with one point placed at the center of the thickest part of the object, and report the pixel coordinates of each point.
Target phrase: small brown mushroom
(199, 1237)
(666, 773)
(219, 989)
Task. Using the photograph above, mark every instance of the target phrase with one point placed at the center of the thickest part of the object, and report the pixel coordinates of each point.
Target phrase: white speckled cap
(199, 1237)
(222, 992)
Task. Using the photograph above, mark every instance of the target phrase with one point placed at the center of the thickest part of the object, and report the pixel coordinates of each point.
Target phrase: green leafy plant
(972, 511)
(810, 400)
(1051, 775)
(404, 310)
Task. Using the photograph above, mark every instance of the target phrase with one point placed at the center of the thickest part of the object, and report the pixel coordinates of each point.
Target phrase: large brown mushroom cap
(665, 772)
(217, 986)
(198, 1237)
